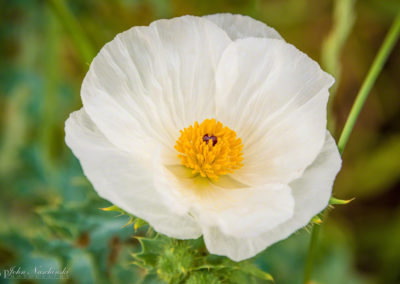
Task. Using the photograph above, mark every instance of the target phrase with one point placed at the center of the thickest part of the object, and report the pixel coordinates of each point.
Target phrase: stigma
(207, 138)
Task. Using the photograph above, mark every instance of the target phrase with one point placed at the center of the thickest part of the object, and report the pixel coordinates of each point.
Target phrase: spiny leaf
(177, 261)
(151, 250)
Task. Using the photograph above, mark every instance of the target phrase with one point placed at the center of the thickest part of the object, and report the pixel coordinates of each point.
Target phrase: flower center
(210, 149)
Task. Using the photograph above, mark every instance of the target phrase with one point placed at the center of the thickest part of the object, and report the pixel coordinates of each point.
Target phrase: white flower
(210, 126)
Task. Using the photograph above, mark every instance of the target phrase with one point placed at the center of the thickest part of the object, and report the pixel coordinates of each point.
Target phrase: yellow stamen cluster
(210, 149)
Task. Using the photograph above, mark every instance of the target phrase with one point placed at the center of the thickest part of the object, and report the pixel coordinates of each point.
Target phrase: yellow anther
(210, 149)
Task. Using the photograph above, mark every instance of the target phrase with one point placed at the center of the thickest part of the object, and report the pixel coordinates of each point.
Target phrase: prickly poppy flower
(210, 126)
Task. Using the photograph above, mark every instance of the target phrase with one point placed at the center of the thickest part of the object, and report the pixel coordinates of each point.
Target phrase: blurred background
(49, 213)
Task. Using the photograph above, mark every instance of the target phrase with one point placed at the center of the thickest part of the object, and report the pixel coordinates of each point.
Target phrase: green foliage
(187, 261)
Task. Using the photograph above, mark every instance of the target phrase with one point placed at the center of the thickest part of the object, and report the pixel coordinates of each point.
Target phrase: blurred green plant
(332, 47)
(186, 261)
(377, 65)
(50, 212)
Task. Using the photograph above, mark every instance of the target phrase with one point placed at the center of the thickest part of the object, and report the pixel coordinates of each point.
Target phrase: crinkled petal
(239, 26)
(274, 97)
(311, 192)
(126, 179)
(232, 207)
(150, 82)
(246, 212)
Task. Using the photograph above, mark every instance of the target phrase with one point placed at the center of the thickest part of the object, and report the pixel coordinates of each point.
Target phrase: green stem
(82, 43)
(376, 68)
(383, 53)
(311, 253)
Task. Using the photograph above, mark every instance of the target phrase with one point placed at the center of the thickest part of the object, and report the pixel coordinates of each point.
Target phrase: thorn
(336, 201)
(316, 220)
(111, 208)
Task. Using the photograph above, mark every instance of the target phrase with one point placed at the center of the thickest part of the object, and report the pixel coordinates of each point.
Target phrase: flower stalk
(383, 53)
(311, 253)
(376, 67)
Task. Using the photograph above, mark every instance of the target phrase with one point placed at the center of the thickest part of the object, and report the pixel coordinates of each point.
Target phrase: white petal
(239, 26)
(311, 193)
(126, 179)
(232, 207)
(274, 97)
(246, 212)
(150, 82)
(313, 190)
